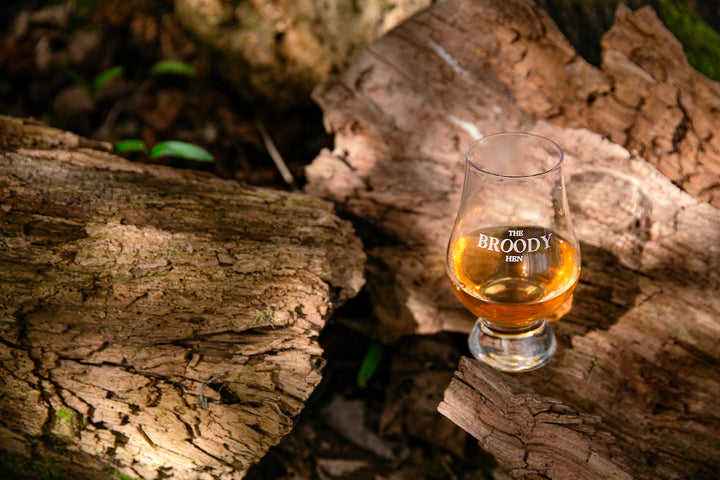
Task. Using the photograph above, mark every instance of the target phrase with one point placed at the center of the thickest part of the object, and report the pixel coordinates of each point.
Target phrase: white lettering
(533, 245)
(509, 245)
(494, 244)
(483, 242)
(546, 238)
(515, 233)
(513, 258)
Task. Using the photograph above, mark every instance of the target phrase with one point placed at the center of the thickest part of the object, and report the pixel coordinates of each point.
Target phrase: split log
(155, 322)
(632, 391)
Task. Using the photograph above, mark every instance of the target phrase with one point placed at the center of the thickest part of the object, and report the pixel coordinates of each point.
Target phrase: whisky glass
(513, 259)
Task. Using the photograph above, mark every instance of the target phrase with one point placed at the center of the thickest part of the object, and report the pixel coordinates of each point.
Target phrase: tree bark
(631, 392)
(156, 322)
(281, 50)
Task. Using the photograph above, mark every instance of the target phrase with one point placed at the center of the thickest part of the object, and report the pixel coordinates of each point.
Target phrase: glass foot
(512, 352)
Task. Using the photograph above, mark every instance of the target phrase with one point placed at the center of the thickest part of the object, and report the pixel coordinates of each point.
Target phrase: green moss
(16, 467)
(700, 42)
(63, 414)
(262, 317)
(122, 476)
(584, 22)
(71, 419)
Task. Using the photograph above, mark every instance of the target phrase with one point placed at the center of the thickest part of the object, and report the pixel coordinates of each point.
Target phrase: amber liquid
(514, 290)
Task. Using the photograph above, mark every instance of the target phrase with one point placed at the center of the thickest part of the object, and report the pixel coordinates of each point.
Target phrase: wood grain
(156, 321)
(630, 393)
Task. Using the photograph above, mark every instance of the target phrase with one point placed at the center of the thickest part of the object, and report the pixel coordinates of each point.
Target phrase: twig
(202, 398)
(276, 157)
(119, 106)
(446, 466)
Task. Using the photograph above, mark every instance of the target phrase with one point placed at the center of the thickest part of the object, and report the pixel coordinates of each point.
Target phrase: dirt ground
(52, 56)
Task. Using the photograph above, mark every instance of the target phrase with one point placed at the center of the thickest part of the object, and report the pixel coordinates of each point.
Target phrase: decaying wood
(156, 322)
(655, 104)
(281, 50)
(631, 392)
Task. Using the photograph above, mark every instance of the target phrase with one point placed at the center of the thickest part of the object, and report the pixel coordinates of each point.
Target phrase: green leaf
(174, 148)
(130, 145)
(106, 76)
(370, 363)
(172, 67)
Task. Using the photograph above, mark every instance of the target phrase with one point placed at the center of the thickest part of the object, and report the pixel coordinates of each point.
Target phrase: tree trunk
(155, 322)
(632, 390)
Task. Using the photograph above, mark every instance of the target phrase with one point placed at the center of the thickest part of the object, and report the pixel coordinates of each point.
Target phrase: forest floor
(90, 70)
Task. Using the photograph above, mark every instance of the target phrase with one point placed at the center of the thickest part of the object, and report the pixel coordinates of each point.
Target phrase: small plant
(105, 77)
(169, 148)
(370, 363)
(96, 83)
(162, 67)
(172, 67)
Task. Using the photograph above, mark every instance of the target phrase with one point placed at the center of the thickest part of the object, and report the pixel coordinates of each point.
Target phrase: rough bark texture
(657, 105)
(632, 391)
(283, 49)
(156, 322)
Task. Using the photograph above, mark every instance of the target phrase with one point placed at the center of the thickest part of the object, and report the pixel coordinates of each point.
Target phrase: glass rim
(486, 138)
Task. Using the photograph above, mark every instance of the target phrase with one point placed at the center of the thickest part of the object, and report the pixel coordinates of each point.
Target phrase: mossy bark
(695, 24)
(156, 321)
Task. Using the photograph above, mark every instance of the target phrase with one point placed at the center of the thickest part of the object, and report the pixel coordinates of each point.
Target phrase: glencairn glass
(513, 259)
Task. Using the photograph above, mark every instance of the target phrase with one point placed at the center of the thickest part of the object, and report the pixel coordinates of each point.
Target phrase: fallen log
(154, 322)
(280, 51)
(631, 392)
